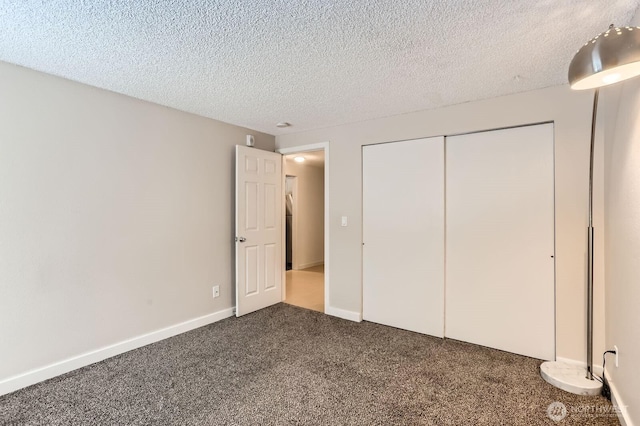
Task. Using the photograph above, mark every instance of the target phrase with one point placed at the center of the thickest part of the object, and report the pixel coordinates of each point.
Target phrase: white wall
(571, 113)
(115, 217)
(310, 212)
(622, 213)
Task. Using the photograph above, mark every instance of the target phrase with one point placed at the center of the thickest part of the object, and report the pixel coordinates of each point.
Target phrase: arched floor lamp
(611, 57)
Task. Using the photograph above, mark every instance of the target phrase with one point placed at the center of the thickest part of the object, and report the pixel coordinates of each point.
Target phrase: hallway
(305, 288)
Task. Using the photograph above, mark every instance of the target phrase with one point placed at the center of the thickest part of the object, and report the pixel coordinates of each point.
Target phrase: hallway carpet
(290, 366)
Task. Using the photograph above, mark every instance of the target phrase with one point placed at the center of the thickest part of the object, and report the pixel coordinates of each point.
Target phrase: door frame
(322, 146)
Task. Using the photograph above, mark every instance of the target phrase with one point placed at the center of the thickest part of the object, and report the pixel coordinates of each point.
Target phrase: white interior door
(500, 240)
(258, 229)
(403, 234)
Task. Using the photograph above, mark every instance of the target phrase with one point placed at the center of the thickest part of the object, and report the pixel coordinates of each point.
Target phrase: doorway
(290, 197)
(304, 222)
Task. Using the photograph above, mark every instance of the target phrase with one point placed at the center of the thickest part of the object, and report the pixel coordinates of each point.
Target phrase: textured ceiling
(313, 63)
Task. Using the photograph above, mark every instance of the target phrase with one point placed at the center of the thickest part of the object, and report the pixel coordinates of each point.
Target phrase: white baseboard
(310, 264)
(341, 313)
(621, 408)
(597, 369)
(37, 375)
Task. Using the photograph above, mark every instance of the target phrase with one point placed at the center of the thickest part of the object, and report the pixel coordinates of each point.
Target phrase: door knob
(241, 239)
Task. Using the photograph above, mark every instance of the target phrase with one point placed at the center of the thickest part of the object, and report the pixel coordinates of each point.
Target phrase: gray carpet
(290, 366)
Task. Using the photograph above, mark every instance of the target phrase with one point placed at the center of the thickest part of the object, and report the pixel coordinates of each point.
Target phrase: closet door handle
(241, 239)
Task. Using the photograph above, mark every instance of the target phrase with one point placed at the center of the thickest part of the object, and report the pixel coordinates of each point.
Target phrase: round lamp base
(570, 378)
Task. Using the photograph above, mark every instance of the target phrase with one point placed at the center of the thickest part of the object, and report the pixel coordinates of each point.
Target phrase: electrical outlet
(617, 353)
(216, 291)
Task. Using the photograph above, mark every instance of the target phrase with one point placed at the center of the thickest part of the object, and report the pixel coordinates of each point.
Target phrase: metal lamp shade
(610, 57)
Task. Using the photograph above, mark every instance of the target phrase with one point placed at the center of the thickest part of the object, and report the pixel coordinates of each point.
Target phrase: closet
(458, 237)
(403, 201)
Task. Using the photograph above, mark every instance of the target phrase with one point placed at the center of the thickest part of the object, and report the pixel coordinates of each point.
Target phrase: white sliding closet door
(500, 240)
(403, 234)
